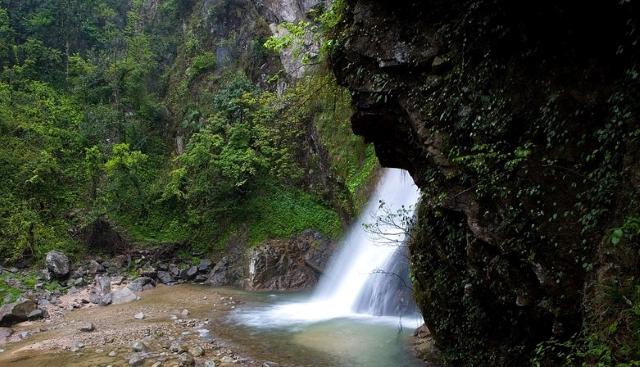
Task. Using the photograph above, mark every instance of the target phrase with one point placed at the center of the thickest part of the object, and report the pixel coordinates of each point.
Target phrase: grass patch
(280, 212)
(8, 293)
(158, 227)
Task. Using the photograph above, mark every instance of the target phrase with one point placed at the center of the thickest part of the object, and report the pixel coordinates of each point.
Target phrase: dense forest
(172, 121)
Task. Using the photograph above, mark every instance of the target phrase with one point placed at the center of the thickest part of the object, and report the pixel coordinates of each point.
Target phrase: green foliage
(125, 170)
(239, 142)
(292, 35)
(329, 105)
(630, 228)
(8, 293)
(13, 285)
(279, 212)
(201, 64)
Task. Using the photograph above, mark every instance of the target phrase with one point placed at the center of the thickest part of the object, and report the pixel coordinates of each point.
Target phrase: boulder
(94, 267)
(174, 270)
(16, 312)
(140, 284)
(189, 273)
(226, 272)
(78, 273)
(35, 314)
(148, 271)
(117, 279)
(200, 278)
(165, 277)
(57, 264)
(103, 284)
(123, 295)
(101, 292)
(204, 266)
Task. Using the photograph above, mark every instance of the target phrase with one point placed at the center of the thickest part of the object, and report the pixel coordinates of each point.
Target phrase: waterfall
(362, 253)
(368, 276)
(389, 292)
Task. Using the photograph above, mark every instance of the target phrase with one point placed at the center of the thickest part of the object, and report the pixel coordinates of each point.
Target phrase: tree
(94, 168)
(125, 172)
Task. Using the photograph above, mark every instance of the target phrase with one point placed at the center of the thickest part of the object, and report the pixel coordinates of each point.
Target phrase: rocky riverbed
(150, 309)
(165, 326)
(135, 310)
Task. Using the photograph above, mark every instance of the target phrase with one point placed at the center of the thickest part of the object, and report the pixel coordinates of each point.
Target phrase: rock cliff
(519, 123)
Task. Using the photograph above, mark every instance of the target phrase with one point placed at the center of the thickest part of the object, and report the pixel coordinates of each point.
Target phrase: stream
(348, 341)
(358, 340)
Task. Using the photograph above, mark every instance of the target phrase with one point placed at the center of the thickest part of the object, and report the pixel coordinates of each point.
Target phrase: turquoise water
(348, 341)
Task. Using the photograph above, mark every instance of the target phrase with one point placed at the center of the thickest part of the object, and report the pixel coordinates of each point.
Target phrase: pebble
(226, 359)
(209, 363)
(87, 327)
(112, 353)
(177, 347)
(185, 313)
(196, 351)
(139, 316)
(137, 360)
(139, 347)
(186, 360)
(157, 364)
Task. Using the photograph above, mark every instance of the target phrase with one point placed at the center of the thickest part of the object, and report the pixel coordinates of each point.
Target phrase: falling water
(368, 276)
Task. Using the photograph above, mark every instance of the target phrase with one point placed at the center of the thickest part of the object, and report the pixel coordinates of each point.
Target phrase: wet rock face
(495, 108)
(277, 11)
(293, 264)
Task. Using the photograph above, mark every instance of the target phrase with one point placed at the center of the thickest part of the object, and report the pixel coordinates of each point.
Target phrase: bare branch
(383, 272)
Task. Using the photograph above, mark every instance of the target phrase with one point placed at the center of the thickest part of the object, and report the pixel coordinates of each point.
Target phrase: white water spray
(359, 257)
